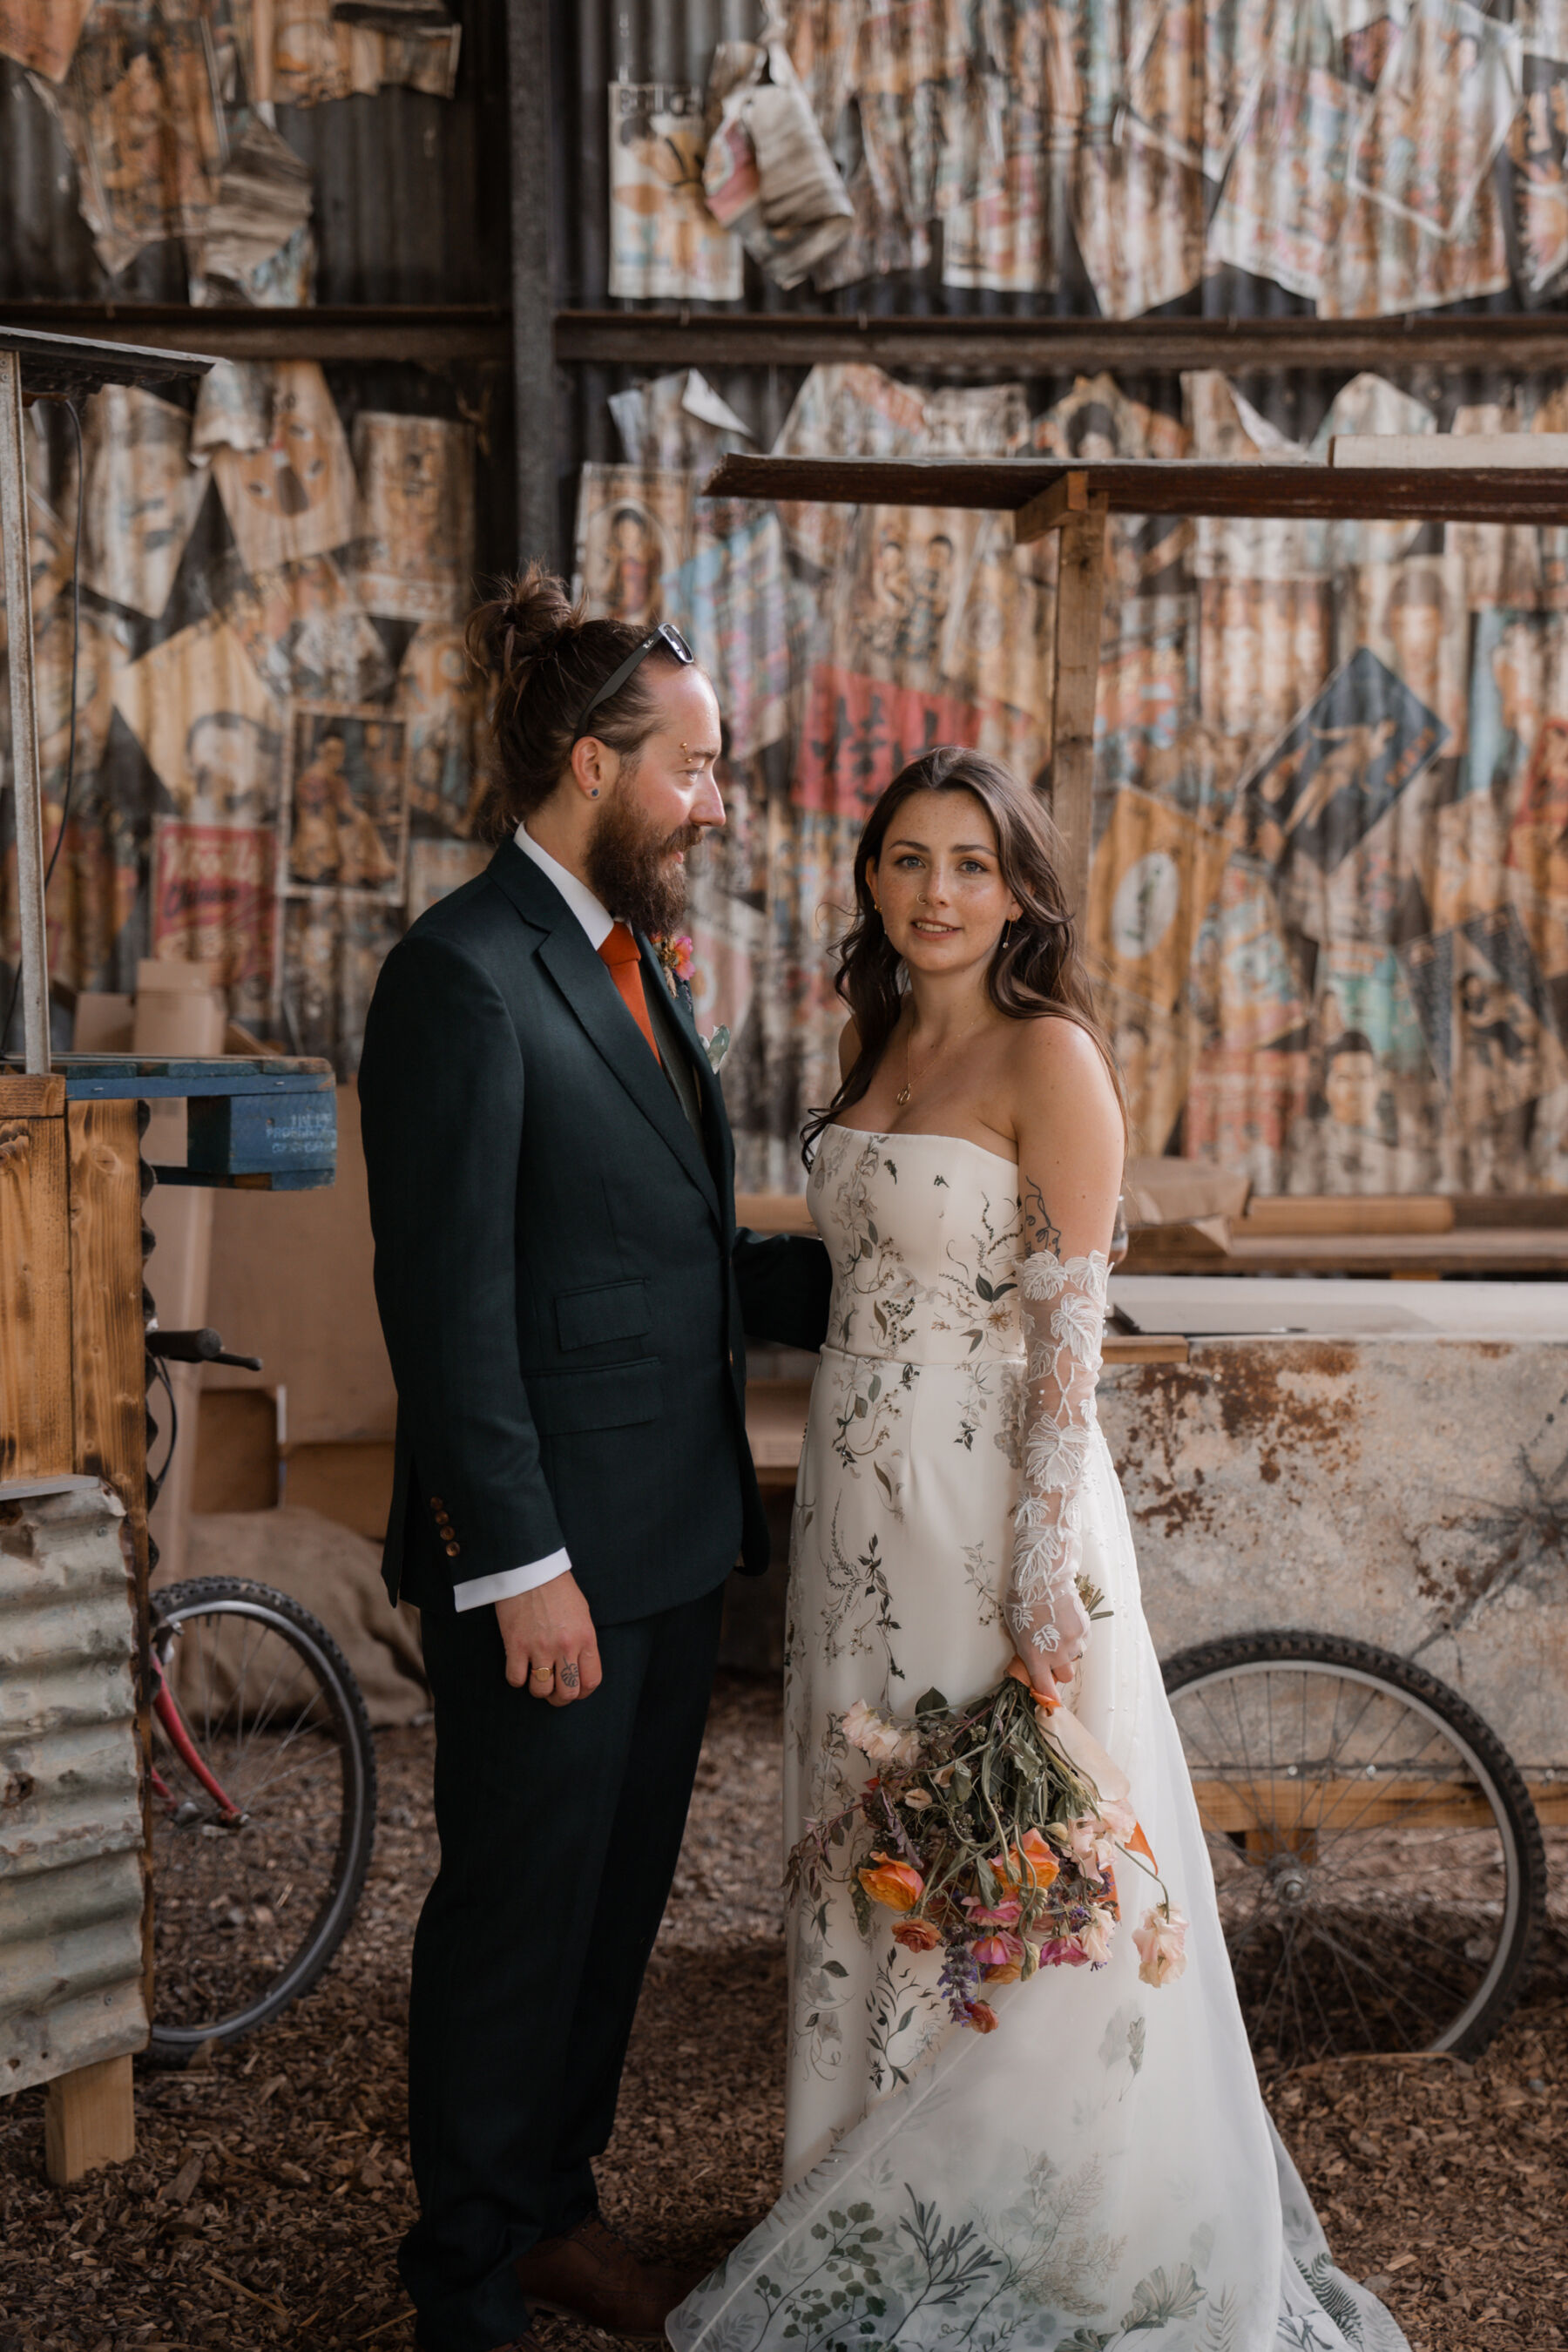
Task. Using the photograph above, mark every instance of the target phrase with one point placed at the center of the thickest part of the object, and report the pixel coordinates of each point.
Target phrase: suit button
(437, 1504)
(453, 1549)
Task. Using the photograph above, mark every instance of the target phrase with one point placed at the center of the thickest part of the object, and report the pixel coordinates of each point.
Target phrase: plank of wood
(1049, 509)
(36, 1431)
(110, 1378)
(89, 2120)
(1326, 1213)
(1144, 1347)
(1497, 1254)
(24, 1098)
(1080, 576)
(1428, 451)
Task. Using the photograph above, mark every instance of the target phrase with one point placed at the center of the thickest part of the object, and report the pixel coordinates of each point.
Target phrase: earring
(594, 793)
(1007, 933)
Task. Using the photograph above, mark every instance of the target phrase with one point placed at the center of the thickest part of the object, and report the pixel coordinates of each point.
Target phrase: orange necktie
(623, 957)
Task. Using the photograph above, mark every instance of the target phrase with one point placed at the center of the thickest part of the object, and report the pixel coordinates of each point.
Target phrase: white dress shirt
(482, 1590)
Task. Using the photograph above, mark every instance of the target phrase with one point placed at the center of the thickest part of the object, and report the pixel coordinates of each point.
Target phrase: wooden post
(1080, 578)
(37, 1437)
(89, 2119)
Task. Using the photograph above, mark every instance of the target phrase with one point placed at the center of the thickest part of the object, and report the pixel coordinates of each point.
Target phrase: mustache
(686, 836)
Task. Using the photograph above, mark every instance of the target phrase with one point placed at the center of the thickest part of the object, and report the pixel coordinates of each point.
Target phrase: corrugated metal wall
(1383, 1011)
(71, 1838)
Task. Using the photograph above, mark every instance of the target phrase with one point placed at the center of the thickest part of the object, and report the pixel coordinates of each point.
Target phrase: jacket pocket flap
(621, 1394)
(615, 1311)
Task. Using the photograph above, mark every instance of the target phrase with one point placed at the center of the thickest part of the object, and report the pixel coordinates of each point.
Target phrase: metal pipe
(534, 356)
(26, 797)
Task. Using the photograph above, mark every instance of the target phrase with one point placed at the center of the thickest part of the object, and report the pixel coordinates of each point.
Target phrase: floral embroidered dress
(1100, 2171)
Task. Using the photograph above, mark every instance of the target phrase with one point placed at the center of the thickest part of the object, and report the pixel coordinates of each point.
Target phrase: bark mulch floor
(270, 2189)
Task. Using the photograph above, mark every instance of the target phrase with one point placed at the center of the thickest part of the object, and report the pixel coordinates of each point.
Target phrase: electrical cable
(70, 752)
(155, 1483)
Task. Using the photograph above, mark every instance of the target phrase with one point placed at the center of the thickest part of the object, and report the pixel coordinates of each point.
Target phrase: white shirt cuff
(511, 1582)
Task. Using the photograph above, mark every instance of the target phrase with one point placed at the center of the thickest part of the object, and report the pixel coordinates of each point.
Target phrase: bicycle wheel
(1380, 1869)
(264, 1808)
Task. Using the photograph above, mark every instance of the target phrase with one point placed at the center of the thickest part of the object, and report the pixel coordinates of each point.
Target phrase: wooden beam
(89, 2119)
(960, 347)
(1049, 509)
(37, 1436)
(1302, 490)
(431, 332)
(1080, 590)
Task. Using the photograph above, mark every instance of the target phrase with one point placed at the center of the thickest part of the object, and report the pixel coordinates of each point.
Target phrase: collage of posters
(1368, 158)
(274, 736)
(1328, 914)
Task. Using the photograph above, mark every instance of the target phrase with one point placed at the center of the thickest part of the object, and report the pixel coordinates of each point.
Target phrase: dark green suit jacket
(562, 1289)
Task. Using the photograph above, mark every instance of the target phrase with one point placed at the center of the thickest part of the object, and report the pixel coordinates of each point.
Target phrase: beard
(630, 866)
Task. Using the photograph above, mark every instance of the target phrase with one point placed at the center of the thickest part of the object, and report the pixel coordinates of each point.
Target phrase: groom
(564, 1297)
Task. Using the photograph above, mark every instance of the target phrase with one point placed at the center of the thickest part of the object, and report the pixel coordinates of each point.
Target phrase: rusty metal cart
(1334, 1489)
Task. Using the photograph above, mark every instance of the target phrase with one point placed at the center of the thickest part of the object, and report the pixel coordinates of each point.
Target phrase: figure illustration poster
(1340, 766)
(207, 725)
(214, 901)
(1154, 875)
(141, 498)
(295, 496)
(348, 817)
(665, 244)
(633, 528)
(415, 521)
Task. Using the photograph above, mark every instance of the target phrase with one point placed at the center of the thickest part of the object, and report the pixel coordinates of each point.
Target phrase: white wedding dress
(1100, 2171)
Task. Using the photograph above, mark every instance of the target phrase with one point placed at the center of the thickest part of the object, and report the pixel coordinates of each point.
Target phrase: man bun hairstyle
(544, 659)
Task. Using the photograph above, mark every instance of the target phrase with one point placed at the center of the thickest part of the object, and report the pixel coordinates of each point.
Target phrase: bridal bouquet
(990, 1830)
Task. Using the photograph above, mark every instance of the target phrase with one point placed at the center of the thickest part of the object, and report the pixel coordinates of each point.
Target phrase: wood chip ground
(270, 2187)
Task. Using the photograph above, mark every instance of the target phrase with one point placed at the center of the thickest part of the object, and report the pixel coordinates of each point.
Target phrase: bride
(1100, 2171)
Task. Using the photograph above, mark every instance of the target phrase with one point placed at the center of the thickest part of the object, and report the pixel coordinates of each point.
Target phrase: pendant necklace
(901, 1099)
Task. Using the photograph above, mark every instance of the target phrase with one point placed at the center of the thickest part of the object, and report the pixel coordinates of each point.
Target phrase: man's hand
(551, 1649)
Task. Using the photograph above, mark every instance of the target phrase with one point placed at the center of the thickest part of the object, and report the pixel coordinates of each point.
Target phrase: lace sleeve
(1063, 1308)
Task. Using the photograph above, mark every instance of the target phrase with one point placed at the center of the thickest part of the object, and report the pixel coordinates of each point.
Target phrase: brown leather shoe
(592, 2274)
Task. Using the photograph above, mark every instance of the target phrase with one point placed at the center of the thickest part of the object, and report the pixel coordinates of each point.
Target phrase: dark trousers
(560, 1829)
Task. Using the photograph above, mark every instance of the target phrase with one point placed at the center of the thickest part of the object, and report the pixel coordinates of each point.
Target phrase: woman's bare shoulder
(1053, 1061)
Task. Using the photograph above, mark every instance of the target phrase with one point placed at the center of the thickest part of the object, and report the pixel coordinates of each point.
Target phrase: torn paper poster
(1535, 171)
(295, 497)
(632, 525)
(1384, 263)
(996, 649)
(1442, 108)
(140, 114)
(1004, 237)
(437, 867)
(1153, 1054)
(906, 573)
(1155, 874)
(415, 556)
(234, 409)
(317, 58)
(262, 205)
(730, 599)
(1285, 196)
(42, 34)
(767, 173)
(1414, 616)
(439, 701)
(215, 901)
(348, 809)
(677, 421)
(1138, 215)
(664, 241)
(207, 724)
(1265, 649)
(306, 632)
(142, 496)
(1340, 767)
(334, 944)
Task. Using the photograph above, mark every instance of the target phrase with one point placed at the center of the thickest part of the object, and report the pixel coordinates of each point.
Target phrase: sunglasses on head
(668, 636)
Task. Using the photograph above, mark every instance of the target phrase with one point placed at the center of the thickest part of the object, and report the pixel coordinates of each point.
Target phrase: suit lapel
(715, 1120)
(595, 1000)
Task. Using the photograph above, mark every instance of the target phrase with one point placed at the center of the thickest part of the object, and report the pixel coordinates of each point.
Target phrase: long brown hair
(545, 657)
(1036, 968)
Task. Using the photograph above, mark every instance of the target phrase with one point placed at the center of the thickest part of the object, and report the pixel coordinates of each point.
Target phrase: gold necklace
(901, 1099)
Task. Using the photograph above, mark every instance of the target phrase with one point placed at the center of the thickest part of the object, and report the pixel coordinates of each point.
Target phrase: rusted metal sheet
(71, 1844)
(1408, 1491)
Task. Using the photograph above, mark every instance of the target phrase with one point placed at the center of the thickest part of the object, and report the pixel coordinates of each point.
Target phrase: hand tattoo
(1041, 1233)
(568, 1677)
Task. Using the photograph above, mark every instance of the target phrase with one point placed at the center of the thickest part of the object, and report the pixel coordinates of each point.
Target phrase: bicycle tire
(1495, 1770)
(175, 2040)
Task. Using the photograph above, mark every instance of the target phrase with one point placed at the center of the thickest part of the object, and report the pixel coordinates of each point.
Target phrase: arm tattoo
(1039, 1231)
(568, 1677)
